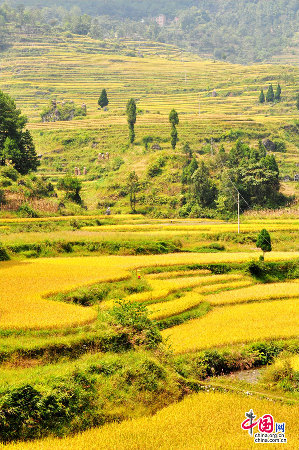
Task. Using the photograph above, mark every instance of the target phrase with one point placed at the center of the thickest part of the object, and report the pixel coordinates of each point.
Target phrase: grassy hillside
(160, 77)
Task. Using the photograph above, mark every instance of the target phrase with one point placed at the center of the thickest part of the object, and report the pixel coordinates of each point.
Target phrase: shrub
(3, 254)
(134, 316)
(25, 210)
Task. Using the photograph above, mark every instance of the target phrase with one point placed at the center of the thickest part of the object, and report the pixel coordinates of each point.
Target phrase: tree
(173, 117)
(262, 97)
(72, 187)
(264, 242)
(16, 145)
(131, 117)
(204, 189)
(173, 137)
(174, 120)
(103, 100)
(133, 187)
(277, 95)
(187, 150)
(270, 94)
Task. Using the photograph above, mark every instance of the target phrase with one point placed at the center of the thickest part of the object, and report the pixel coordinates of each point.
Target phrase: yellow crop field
(65, 218)
(190, 299)
(20, 301)
(174, 274)
(22, 296)
(292, 360)
(258, 292)
(162, 288)
(222, 286)
(207, 421)
(174, 307)
(208, 229)
(240, 323)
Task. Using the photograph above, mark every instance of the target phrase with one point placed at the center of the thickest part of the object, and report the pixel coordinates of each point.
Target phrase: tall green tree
(16, 144)
(131, 110)
(203, 187)
(262, 97)
(277, 95)
(173, 137)
(174, 120)
(264, 242)
(103, 100)
(133, 187)
(270, 94)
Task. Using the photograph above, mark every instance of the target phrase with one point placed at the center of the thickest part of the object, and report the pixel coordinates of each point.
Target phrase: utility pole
(199, 108)
(238, 212)
(212, 150)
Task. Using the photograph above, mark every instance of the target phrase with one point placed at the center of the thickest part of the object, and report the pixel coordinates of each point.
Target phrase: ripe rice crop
(39, 278)
(201, 421)
(64, 218)
(222, 287)
(167, 275)
(233, 324)
(203, 228)
(189, 300)
(258, 292)
(162, 288)
(171, 308)
(22, 302)
(292, 360)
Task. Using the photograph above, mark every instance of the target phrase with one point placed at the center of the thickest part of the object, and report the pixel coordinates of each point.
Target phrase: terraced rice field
(40, 278)
(227, 323)
(77, 69)
(207, 421)
(240, 323)
(256, 293)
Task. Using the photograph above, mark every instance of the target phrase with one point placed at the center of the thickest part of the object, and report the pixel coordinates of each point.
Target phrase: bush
(25, 210)
(3, 254)
(280, 146)
(134, 316)
(9, 172)
(28, 414)
(117, 163)
(154, 170)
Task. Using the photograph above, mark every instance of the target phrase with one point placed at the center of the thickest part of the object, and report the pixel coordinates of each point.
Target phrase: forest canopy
(242, 31)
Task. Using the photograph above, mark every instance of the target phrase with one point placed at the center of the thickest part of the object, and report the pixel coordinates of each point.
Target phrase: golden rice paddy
(258, 292)
(232, 324)
(22, 296)
(206, 421)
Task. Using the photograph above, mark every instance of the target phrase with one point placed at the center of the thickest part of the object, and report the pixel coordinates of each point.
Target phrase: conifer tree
(278, 93)
(262, 97)
(174, 120)
(131, 117)
(103, 100)
(270, 94)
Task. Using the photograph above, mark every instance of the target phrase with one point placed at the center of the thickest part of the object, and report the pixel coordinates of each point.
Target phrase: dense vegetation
(16, 144)
(239, 30)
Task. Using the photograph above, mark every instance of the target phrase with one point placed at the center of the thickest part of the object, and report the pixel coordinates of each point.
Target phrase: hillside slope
(240, 31)
(37, 70)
